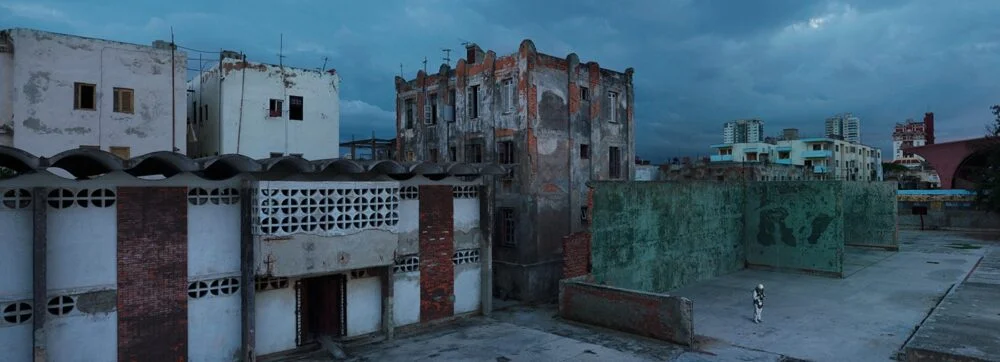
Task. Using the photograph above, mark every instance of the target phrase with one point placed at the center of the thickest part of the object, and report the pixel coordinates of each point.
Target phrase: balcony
(820, 169)
(817, 154)
(721, 158)
(785, 161)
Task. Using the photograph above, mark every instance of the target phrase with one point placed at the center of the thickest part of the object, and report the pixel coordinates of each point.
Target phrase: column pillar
(39, 196)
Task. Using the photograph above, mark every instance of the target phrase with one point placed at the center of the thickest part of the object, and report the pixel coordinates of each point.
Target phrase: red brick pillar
(152, 274)
(437, 245)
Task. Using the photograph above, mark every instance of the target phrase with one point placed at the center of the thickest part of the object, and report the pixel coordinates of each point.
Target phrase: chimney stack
(473, 54)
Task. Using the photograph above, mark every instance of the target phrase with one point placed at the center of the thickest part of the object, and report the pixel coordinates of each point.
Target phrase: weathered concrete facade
(263, 110)
(557, 122)
(59, 92)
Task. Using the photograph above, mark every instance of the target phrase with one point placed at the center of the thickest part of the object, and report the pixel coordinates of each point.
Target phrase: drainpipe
(173, 95)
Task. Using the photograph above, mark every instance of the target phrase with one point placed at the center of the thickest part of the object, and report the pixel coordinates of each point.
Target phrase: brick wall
(576, 254)
(437, 244)
(152, 273)
(653, 315)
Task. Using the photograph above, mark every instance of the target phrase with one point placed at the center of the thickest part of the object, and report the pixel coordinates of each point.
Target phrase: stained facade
(229, 257)
(556, 122)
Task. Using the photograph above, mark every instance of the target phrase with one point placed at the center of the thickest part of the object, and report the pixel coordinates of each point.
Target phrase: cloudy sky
(698, 63)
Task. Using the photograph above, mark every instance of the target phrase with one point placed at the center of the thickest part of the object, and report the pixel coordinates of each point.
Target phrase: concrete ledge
(869, 246)
(654, 315)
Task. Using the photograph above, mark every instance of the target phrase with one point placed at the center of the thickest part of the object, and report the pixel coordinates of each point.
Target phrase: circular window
(61, 305)
(17, 313)
(197, 290)
(17, 199)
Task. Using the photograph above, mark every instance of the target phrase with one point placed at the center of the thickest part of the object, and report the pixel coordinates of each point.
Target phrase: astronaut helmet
(760, 286)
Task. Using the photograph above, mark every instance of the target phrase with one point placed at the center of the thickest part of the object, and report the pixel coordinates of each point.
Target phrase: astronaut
(758, 302)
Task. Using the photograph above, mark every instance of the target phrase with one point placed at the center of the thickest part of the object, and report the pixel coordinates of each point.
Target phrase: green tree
(988, 178)
(6, 172)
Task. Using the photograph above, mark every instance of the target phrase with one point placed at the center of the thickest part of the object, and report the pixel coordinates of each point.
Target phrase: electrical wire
(198, 51)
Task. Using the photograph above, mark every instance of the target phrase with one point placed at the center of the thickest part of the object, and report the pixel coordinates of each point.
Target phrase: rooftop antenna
(324, 64)
(401, 70)
(447, 56)
(425, 65)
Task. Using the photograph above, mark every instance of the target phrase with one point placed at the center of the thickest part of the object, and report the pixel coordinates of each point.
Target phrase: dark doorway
(322, 307)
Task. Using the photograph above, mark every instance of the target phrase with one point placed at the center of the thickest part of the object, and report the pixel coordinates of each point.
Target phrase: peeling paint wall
(658, 236)
(796, 225)
(79, 335)
(405, 298)
(548, 124)
(275, 320)
(245, 121)
(45, 68)
(214, 327)
(364, 305)
(870, 214)
(467, 287)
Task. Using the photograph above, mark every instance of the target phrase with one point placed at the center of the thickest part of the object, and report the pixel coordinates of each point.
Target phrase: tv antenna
(447, 56)
(425, 65)
(401, 70)
(324, 64)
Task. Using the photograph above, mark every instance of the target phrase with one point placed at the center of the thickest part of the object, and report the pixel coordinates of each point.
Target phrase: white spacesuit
(758, 302)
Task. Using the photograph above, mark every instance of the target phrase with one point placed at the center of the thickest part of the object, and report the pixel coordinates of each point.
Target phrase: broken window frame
(453, 153)
(124, 100)
(506, 153)
(472, 102)
(432, 109)
(584, 94)
(584, 151)
(296, 112)
(433, 155)
(275, 108)
(507, 95)
(507, 226)
(408, 105)
(474, 152)
(78, 96)
(612, 107)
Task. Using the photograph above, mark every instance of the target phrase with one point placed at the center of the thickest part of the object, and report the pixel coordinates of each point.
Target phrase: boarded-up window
(85, 96)
(295, 108)
(124, 100)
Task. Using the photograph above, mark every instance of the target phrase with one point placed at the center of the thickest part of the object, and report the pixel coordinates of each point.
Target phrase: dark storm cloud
(698, 63)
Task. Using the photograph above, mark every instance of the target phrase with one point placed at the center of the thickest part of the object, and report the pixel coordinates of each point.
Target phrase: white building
(911, 134)
(823, 158)
(264, 110)
(237, 266)
(60, 92)
(743, 131)
(844, 126)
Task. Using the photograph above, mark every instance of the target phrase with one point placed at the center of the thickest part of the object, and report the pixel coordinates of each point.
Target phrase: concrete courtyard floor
(867, 316)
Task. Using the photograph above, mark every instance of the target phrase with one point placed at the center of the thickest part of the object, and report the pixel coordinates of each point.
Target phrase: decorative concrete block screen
(658, 236)
(325, 208)
(870, 214)
(659, 316)
(796, 226)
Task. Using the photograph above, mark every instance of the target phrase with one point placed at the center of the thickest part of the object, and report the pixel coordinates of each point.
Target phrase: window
(505, 152)
(507, 95)
(613, 107)
(204, 112)
(434, 155)
(451, 101)
(584, 215)
(433, 117)
(274, 108)
(453, 154)
(584, 152)
(507, 181)
(410, 156)
(122, 152)
(472, 102)
(295, 108)
(124, 99)
(474, 152)
(505, 228)
(194, 106)
(614, 162)
(85, 96)
(784, 155)
(408, 104)
(585, 94)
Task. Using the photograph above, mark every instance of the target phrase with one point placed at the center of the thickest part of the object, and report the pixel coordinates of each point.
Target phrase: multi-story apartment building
(556, 123)
(844, 126)
(743, 131)
(912, 134)
(823, 158)
(263, 110)
(60, 92)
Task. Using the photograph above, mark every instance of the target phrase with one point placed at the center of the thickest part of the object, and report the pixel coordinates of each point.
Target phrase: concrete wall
(46, 66)
(240, 110)
(796, 226)
(946, 209)
(659, 316)
(275, 319)
(468, 281)
(406, 296)
(658, 236)
(870, 214)
(364, 305)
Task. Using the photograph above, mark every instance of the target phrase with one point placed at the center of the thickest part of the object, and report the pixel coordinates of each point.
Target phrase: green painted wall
(870, 214)
(658, 236)
(796, 225)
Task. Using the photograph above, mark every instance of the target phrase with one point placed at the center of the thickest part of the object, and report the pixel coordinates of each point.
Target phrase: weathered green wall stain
(796, 225)
(654, 236)
(870, 214)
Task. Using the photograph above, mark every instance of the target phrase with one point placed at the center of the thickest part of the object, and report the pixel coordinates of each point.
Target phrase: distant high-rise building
(743, 131)
(844, 126)
(790, 134)
(912, 134)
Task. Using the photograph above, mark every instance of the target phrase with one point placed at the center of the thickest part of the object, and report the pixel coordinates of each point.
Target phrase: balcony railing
(817, 154)
(820, 169)
(721, 158)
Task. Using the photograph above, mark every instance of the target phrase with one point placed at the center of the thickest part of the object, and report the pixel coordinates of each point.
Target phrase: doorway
(321, 308)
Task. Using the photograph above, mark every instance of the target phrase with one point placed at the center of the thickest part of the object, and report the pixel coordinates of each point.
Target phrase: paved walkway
(967, 322)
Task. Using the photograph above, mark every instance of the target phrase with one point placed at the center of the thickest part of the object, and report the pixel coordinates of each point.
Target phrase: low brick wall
(659, 316)
(576, 255)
